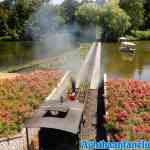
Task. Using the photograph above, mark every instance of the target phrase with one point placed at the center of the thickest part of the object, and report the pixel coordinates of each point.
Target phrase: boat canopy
(123, 38)
(53, 114)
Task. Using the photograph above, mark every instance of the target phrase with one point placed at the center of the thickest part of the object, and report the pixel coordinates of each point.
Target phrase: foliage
(31, 19)
(135, 9)
(3, 21)
(87, 14)
(68, 9)
(114, 22)
(138, 35)
(147, 14)
(14, 16)
(21, 95)
(128, 110)
(141, 35)
(45, 20)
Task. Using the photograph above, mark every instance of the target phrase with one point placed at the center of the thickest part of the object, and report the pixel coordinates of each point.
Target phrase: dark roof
(70, 122)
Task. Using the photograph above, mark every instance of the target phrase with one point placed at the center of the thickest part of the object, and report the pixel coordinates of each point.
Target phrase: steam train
(59, 122)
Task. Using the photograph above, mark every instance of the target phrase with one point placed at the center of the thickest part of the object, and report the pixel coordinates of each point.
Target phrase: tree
(45, 21)
(68, 9)
(114, 22)
(3, 22)
(135, 9)
(14, 15)
(87, 14)
(111, 19)
(8, 4)
(147, 14)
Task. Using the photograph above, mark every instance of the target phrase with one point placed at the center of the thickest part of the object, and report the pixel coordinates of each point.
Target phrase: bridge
(74, 110)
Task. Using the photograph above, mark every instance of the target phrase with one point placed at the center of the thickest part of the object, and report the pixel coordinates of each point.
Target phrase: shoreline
(8, 75)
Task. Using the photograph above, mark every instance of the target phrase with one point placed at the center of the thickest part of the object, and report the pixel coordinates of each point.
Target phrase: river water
(115, 63)
(122, 65)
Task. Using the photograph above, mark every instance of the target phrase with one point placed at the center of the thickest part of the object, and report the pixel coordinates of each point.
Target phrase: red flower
(121, 116)
(129, 105)
(21, 95)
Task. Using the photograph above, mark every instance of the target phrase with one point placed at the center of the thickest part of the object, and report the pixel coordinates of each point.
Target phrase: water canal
(131, 66)
(116, 64)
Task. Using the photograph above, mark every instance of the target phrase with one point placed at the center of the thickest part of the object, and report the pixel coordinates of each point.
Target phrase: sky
(53, 1)
(59, 1)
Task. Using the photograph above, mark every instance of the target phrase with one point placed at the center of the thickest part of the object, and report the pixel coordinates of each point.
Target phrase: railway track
(88, 97)
(88, 126)
(76, 120)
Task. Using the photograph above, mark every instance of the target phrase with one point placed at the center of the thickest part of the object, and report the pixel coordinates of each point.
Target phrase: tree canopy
(87, 14)
(147, 14)
(135, 9)
(114, 22)
(68, 9)
(20, 19)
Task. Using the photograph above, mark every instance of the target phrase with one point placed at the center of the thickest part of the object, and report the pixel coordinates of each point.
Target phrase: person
(72, 96)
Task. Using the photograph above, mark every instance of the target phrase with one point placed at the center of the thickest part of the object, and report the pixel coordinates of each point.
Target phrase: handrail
(61, 87)
(85, 66)
(96, 70)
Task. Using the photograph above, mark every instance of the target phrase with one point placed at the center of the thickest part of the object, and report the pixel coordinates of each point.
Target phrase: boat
(123, 39)
(128, 47)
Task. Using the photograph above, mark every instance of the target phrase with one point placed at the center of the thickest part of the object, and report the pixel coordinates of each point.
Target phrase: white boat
(123, 39)
(128, 47)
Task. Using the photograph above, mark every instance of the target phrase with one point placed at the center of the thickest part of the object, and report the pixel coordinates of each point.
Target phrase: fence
(17, 142)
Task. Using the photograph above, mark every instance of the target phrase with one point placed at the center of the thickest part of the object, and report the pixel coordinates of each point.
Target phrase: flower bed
(128, 110)
(19, 96)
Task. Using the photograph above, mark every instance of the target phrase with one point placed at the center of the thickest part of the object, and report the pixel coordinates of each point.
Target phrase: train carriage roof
(69, 123)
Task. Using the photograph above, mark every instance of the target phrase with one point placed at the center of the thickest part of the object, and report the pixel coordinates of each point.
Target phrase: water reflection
(123, 65)
(18, 53)
(116, 63)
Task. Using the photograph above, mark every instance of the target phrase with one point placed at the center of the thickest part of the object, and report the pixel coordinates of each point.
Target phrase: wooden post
(27, 138)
